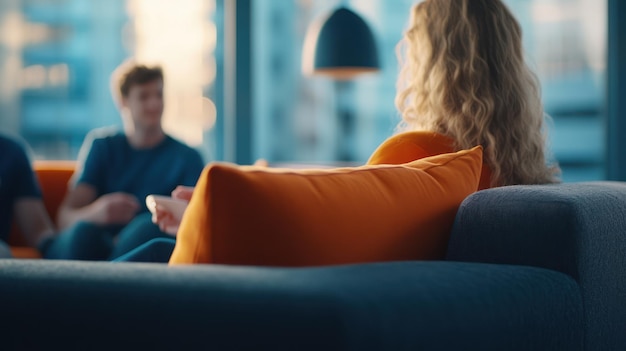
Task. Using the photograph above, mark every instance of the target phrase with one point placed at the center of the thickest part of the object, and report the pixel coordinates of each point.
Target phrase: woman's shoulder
(410, 146)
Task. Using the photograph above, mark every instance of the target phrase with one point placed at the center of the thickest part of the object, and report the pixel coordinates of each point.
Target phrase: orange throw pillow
(410, 146)
(249, 215)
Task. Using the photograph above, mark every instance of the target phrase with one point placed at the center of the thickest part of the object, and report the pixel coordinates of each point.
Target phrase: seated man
(104, 213)
(20, 198)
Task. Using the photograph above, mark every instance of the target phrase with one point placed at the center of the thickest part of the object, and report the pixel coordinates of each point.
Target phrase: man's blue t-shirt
(17, 180)
(110, 164)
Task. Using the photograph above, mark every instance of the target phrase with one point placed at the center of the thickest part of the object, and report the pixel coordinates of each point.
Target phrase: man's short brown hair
(129, 74)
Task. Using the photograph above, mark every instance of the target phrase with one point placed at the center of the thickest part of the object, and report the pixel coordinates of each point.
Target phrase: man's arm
(33, 220)
(75, 207)
(82, 204)
(29, 212)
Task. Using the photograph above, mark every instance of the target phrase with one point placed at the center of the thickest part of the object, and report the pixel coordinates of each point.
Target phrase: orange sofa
(53, 178)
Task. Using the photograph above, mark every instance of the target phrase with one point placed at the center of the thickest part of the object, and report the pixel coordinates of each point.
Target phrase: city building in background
(55, 65)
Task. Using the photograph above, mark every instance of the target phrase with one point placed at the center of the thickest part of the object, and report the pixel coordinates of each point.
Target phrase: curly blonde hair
(463, 75)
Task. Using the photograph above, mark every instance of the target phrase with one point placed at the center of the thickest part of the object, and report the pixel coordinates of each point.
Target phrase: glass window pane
(566, 42)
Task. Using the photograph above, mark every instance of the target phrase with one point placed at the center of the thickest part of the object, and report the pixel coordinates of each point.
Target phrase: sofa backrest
(53, 178)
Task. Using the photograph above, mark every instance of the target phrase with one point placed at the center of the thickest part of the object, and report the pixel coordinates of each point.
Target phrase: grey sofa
(528, 268)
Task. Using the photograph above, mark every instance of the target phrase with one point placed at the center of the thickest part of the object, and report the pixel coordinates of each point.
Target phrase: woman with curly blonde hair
(464, 82)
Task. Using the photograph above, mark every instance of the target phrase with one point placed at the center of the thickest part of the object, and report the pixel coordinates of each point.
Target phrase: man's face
(145, 103)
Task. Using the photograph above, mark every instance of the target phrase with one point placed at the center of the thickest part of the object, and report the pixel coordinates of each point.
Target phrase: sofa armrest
(388, 306)
(578, 229)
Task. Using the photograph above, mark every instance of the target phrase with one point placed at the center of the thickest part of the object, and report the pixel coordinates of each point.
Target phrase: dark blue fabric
(17, 180)
(578, 229)
(391, 306)
(82, 241)
(88, 241)
(138, 232)
(154, 251)
(110, 164)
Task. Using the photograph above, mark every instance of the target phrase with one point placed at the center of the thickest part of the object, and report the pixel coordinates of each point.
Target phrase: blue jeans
(88, 241)
(155, 250)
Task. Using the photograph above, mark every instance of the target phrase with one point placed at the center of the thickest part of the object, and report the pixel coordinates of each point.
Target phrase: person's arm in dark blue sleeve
(29, 211)
(28, 185)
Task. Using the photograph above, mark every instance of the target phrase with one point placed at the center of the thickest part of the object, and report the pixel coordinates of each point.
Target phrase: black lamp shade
(341, 46)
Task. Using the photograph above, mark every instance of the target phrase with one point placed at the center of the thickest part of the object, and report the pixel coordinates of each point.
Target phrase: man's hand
(114, 208)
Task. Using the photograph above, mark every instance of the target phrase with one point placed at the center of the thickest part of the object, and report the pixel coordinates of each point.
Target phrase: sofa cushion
(285, 217)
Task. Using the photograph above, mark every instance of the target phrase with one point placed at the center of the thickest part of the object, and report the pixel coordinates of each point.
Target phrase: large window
(56, 57)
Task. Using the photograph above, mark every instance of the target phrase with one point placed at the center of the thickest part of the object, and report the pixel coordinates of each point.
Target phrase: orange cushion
(281, 217)
(411, 146)
(54, 178)
(25, 252)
